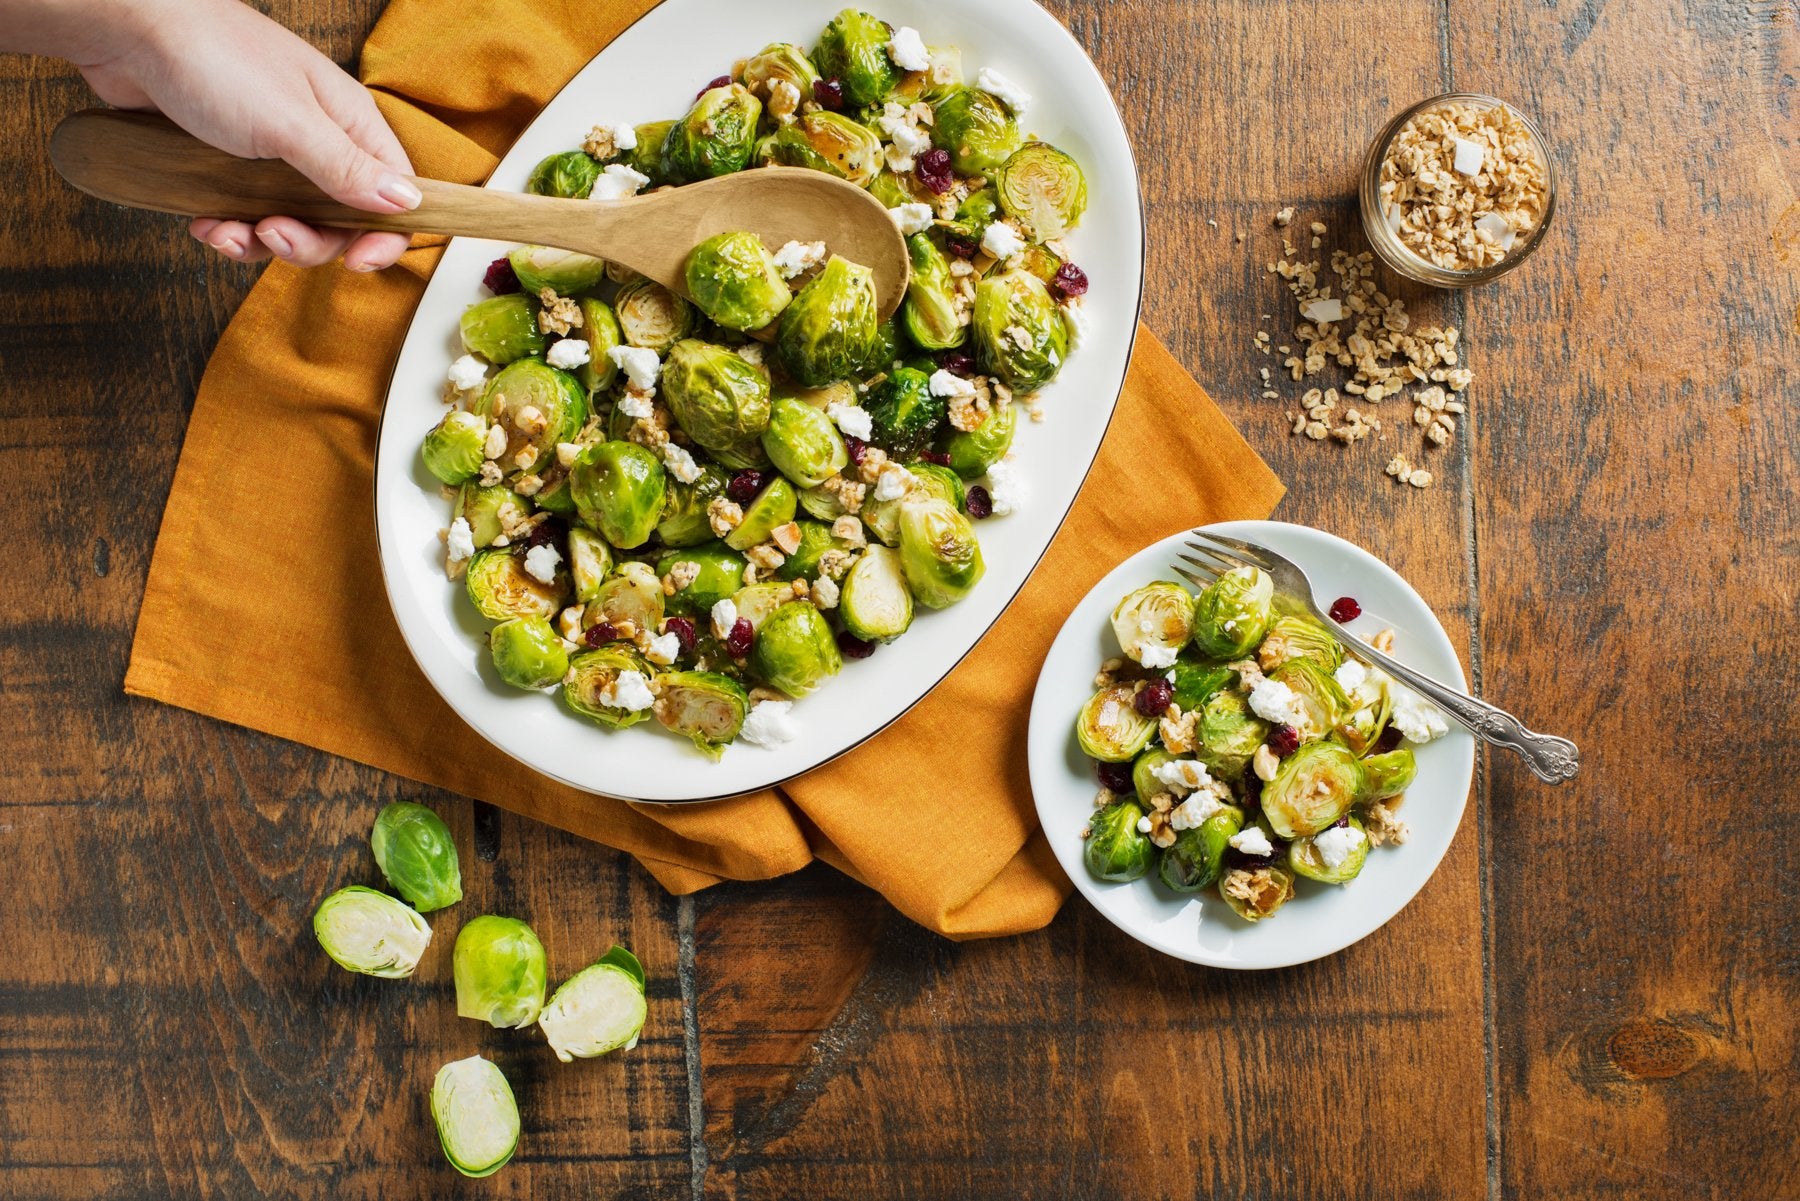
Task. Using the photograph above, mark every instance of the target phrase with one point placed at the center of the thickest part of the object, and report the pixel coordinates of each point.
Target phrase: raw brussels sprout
(1153, 623)
(733, 279)
(1389, 774)
(647, 158)
(826, 332)
(704, 707)
(875, 603)
(977, 130)
(684, 520)
(773, 507)
(1296, 637)
(803, 443)
(815, 539)
(882, 517)
(570, 175)
(652, 317)
(825, 141)
(414, 850)
(978, 210)
(1229, 735)
(1234, 613)
(1195, 683)
(1116, 850)
(853, 51)
(904, 415)
(939, 551)
(502, 328)
(590, 561)
(1255, 893)
(453, 452)
(1319, 695)
(930, 310)
(779, 62)
(756, 603)
(633, 593)
(499, 970)
(477, 1118)
(894, 189)
(720, 400)
(600, 330)
(721, 574)
(598, 1009)
(1042, 190)
(528, 653)
(1304, 858)
(502, 589)
(592, 675)
(972, 452)
(562, 271)
(1312, 788)
(489, 510)
(1006, 305)
(794, 650)
(370, 932)
(618, 490)
(1194, 861)
(537, 406)
(715, 138)
(1110, 728)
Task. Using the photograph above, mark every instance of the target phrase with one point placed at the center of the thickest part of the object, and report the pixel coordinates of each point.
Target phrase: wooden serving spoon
(145, 161)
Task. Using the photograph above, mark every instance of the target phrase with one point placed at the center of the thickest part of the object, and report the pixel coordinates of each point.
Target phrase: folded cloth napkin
(265, 608)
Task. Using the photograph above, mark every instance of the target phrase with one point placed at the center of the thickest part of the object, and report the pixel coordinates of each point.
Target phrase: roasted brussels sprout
(618, 489)
(815, 539)
(632, 593)
(647, 158)
(528, 653)
(1110, 728)
(1372, 704)
(794, 650)
(1144, 783)
(453, 452)
(570, 175)
(370, 932)
(1153, 623)
(1116, 849)
(718, 572)
(1195, 859)
(1256, 892)
(972, 452)
(826, 506)
(876, 605)
(1312, 788)
(756, 603)
(592, 688)
(414, 850)
(652, 317)
(538, 407)
(773, 507)
(600, 330)
(939, 551)
(1389, 774)
(562, 271)
(704, 707)
(1020, 335)
(684, 519)
(1040, 261)
(1318, 694)
(978, 210)
(1332, 856)
(944, 76)
(490, 511)
(714, 138)
(1293, 636)
(803, 443)
(853, 50)
(904, 415)
(894, 189)
(502, 589)
(826, 332)
(882, 517)
(828, 142)
(931, 309)
(779, 62)
(502, 328)
(1042, 190)
(1234, 613)
(720, 400)
(599, 1009)
(590, 561)
(477, 1118)
(499, 970)
(977, 130)
(733, 278)
(889, 347)
(1229, 735)
(1195, 683)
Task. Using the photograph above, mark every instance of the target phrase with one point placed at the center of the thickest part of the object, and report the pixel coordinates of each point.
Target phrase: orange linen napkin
(265, 607)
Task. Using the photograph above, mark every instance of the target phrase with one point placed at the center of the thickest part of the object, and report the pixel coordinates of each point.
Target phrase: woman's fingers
(372, 252)
(233, 239)
(301, 244)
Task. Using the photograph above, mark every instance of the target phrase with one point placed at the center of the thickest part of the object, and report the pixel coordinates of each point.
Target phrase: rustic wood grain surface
(1596, 996)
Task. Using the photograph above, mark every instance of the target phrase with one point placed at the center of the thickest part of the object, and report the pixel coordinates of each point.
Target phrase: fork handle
(1550, 758)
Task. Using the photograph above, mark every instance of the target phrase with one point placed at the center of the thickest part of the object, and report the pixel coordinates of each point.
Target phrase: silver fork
(1550, 758)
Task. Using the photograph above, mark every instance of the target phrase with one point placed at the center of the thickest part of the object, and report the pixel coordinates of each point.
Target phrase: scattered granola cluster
(1461, 183)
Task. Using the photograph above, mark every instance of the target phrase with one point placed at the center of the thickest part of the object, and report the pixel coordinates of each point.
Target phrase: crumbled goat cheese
(1009, 492)
(770, 724)
(1002, 241)
(1361, 685)
(1185, 775)
(460, 542)
(894, 483)
(724, 616)
(680, 463)
(637, 406)
(541, 561)
(1075, 319)
(752, 352)
(898, 123)
(825, 592)
(624, 137)
(907, 49)
(852, 419)
(1274, 701)
(948, 383)
(639, 364)
(1008, 92)
(1252, 841)
(628, 691)
(910, 219)
(1337, 844)
(663, 649)
(1417, 718)
(1193, 813)
(1152, 656)
(1143, 824)
(618, 182)
(1470, 156)
(467, 372)
(797, 258)
(567, 353)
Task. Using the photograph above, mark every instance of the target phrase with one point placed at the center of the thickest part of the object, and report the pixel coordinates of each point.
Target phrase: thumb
(323, 152)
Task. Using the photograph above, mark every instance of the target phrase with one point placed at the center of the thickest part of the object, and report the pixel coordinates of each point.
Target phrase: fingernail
(229, 246)
(396, 190)
(274, 241)
(361, 266)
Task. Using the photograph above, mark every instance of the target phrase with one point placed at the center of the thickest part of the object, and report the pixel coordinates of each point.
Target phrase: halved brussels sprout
(822, 504)
(590, 561)
(1153, 623)
(815, 539)
(1312, 788)
(825, 141)
(1255, 893)
(773, 507)
(1229, 735)
(1362, 728)
(1144, 783)
(756, 603)
(930, 310)
(827, 331)
(720, 399)
(684, 518)
(652, 317)
(562, 271)
(414, 850)
(976, 128)
(1350, 850)
(904, 415)
(502, 589)
(1234, 613)
(554, 496)
(1110, 728)
(1293, 636)
(1040, 261)
(537, 406)
(972, 452)
(600, 330)
(1020, 335)
(502, 328)
(454, 451)
(1319, 695)
(1196, 683)
(1195, 859)
(882, 517)
(734, 280)
(779, 62)
(839, 392)
(720, 573)
(714, 138)
(1043, 190)
(647, 158)
(570, 175)
(1116, 849)
(599, 1009)
(939, 551)
(592, 677)
(803, 443)
(704, 707)
(528, 653)
(1390, 774)
(794, 650)
(633, 593)
(490, 510)
(477, 1118)
(499, 970)
(618, 490)
(370, 932)
(876, 605)
(894, 189)
(944, 76)
(853, 50)
(978, 210)
(890, 346)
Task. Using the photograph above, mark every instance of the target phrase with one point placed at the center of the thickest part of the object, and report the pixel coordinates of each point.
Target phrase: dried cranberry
(683, 629)
(1235, 858)
(1390, 739)
(1153, 699)
(600, 635)
(1284, 740)
(934, 456)
(854, 647)
(961, 247)
(1345, 608)
(737, 642)
(1115, 776)
(500, 278)
(977, 503)
(856, 446)
(829, 93)
(1069, 280)
(544, 533)
(721, 81)
(957, 362)
(933, 170)
(1252, 786)
(744, 486)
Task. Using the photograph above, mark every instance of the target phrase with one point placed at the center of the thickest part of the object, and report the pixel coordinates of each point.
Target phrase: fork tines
(1219, 554)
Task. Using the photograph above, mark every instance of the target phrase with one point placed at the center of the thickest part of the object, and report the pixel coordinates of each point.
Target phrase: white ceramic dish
(652, 71)
(1322, 918)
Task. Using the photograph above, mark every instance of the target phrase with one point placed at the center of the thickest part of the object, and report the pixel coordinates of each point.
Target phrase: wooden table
(1594, 997)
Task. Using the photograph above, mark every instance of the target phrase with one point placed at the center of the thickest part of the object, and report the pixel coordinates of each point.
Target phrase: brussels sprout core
(370, 932)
